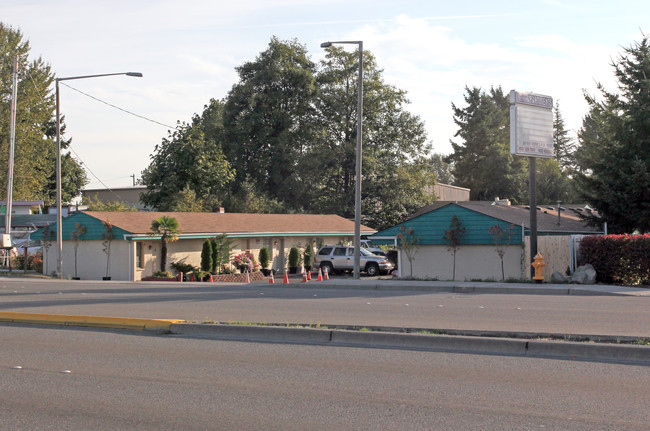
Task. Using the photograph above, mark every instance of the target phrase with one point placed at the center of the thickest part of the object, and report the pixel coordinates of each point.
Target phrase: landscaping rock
(585, 274)
(558, 277)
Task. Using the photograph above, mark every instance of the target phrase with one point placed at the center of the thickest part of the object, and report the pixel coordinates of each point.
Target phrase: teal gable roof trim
(94, 229)
(430, 227)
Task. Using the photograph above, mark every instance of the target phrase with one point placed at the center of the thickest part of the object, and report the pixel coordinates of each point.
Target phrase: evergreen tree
(482, 159)
(563, 144)
(206, 256)
(614, 153)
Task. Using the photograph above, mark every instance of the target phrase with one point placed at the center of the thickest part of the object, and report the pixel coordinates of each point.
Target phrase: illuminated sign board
(531, 125)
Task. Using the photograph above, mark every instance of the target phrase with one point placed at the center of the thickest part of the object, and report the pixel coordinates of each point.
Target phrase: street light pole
(357, 191)
(59, 218)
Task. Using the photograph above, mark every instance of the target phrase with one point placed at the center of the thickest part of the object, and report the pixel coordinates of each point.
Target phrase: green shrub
(294, 257)
(264, 257)
(163, 274)
(206, 256)
(183, 267)
(309, 255)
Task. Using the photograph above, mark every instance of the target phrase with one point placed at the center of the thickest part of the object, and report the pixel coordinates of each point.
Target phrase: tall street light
(59, 218)
(357, 193)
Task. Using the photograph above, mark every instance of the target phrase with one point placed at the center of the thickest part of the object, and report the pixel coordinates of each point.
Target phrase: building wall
(472, 262)
(445, 192)
(189, 251)
(90, 259)
(430, 228)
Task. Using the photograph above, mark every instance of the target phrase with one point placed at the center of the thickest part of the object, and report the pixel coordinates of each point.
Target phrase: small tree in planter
(453, 237)
(167, 228)
(206, 256)
(221, 252)
(76, 235)
(108, 236)
(408, 243)
(48, 237)
(294, 260)
(501, 240)
(264, 258)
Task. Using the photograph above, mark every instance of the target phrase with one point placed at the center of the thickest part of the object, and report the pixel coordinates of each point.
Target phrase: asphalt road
(142, 382)
(559, 314)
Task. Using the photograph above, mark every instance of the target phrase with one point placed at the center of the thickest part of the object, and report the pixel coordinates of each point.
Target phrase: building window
(139, 254)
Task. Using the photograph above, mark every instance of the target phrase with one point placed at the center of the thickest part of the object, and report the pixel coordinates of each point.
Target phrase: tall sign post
(531, 135)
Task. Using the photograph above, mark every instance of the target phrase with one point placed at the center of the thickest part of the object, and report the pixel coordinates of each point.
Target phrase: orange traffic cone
(304, 277)
(286, 277)
(271, 279)
(326, 275)
(320, 275)
(309, 275)
(191, 276)
(211, 279)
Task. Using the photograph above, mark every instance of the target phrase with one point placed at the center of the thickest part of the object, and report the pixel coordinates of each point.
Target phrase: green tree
(453, 237)
(34, 157)
(268, 119)
(76, 235)
(206, 256)
(222, 251)
(481, 158)
(563, 144)
(186, 165)
(408, 242)
(167, 228)
(94, 204)
(443, 169)
(614, 153)
(108, 235)
(395, 171)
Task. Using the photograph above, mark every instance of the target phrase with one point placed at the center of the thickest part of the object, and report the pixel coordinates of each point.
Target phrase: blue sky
(188, 50)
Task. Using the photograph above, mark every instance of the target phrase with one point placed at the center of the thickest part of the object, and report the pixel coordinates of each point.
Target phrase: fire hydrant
(538, 265)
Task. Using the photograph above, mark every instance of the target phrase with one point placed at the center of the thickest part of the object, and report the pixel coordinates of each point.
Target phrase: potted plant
(264, 258)
(294, 260)
(243, 263)
(308, 257)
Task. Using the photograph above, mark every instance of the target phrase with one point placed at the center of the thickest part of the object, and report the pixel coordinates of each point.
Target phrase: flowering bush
(244, 263)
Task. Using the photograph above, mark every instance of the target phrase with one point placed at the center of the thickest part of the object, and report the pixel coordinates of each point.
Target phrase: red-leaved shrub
(620, 259)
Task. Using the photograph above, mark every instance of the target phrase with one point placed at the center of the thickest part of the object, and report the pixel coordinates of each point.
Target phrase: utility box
(5, 241)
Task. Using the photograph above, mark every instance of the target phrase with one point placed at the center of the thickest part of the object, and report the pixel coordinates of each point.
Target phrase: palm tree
(167, 228)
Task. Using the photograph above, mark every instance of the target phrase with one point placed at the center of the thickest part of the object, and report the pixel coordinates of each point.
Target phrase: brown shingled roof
(547, 220)
(194, 223)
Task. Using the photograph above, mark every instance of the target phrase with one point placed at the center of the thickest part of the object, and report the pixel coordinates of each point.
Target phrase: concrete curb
(447, 343)
(492, 345)
(161, 325)
(479, 287)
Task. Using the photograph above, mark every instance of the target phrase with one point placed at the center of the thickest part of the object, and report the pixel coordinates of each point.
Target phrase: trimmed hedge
(620, 259)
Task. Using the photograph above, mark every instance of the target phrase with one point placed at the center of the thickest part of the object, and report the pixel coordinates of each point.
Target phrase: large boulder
(559, 278)
(585, 274)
